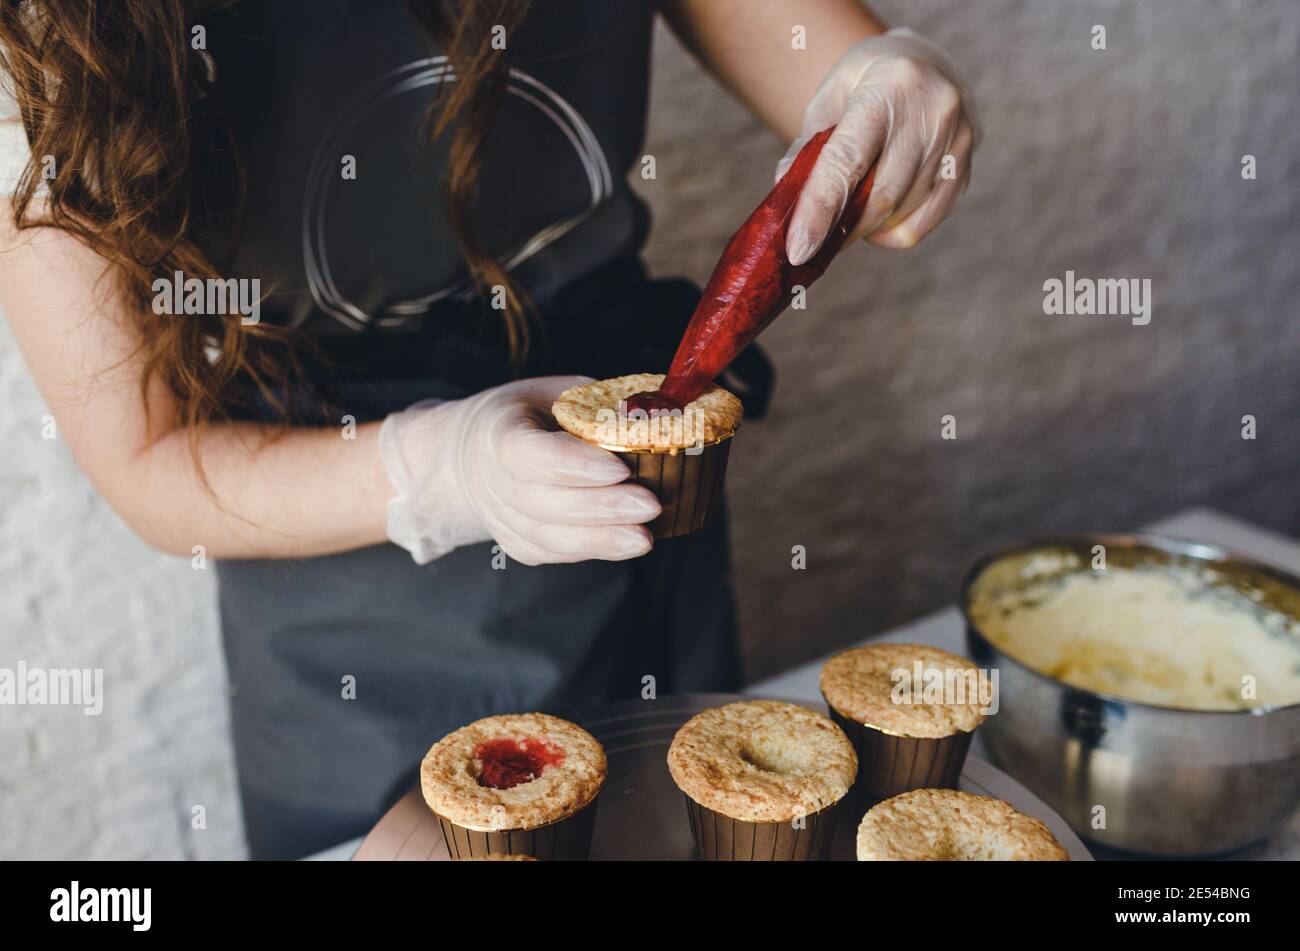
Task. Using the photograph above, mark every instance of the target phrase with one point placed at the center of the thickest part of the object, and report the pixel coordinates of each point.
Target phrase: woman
(362, 438)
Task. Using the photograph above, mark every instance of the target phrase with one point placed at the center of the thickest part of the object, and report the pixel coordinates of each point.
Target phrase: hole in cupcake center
(651, 401)
(505, 764)
(772, 758)
(749, 757)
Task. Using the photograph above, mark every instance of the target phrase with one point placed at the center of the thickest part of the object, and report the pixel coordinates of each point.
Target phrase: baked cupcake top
(762, 761)
(517, 771)
(948, 825)
(590, 411)
(861, 685)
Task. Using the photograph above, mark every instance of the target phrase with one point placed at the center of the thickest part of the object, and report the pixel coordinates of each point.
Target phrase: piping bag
(751, 285)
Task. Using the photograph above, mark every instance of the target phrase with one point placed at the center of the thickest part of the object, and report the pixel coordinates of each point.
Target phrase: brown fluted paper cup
(566, 840)
(688, 486)
(719, 838)
(679, 455)
(889, 764)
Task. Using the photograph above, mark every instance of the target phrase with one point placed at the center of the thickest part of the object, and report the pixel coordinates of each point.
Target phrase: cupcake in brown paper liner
(946, 825)
(680, 456)
(763, 780)
(907, 735)
(515, 785)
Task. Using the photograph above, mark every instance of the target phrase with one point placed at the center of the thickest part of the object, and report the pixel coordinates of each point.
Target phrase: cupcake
(910, 711)
(947, 825)
(762, 780)
(521, 784)
(680, 456)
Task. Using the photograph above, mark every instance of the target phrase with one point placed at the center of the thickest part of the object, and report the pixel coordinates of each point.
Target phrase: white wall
(78, 590)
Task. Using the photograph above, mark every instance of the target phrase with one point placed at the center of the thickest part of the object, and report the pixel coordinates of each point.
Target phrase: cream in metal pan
(1163, 635)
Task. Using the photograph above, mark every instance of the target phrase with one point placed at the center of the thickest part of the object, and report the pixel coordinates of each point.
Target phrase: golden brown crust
(449, 775)
(591, 412)
(859, 685)
(762, 761)
(948, 825)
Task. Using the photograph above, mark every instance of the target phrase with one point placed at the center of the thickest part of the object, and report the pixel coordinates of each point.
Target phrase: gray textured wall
(1122, 163)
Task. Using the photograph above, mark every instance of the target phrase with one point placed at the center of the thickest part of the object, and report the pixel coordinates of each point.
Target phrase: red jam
(652, 401)
(506, 764)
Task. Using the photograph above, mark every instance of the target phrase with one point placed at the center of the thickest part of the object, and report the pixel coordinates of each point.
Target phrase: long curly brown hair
(148, 176)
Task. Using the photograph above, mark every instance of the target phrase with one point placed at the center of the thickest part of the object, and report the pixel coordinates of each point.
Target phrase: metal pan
(1134, 776)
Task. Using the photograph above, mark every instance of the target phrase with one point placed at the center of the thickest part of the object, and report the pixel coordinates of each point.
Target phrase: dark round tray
(641, 814)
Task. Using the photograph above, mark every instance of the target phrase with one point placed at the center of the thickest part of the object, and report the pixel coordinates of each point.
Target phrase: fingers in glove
(565, 505)
(933, 210)
(927, 174)
(926, 115)
(843, 161)
(541, 544)
(557, 458)
(522, 405)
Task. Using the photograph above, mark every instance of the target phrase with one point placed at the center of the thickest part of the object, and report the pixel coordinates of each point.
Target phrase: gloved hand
(896, 99)
(492, 466)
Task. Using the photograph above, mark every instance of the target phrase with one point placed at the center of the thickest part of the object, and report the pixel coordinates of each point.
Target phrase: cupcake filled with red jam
(679, 454)
(518, 784)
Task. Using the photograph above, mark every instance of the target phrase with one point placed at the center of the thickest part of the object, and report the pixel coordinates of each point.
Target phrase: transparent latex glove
(895, 99)
(493, 467)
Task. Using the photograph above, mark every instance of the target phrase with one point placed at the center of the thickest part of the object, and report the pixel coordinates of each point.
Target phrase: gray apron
(345, 669)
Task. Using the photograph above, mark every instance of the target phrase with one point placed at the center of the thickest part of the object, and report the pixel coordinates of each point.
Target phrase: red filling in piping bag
(751, 284)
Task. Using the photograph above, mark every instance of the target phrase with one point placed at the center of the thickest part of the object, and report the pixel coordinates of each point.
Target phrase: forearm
(748, 46)
(295, 493)
(270, 492)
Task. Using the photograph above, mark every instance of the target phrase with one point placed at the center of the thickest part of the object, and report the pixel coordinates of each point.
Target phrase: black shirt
(309, 83)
